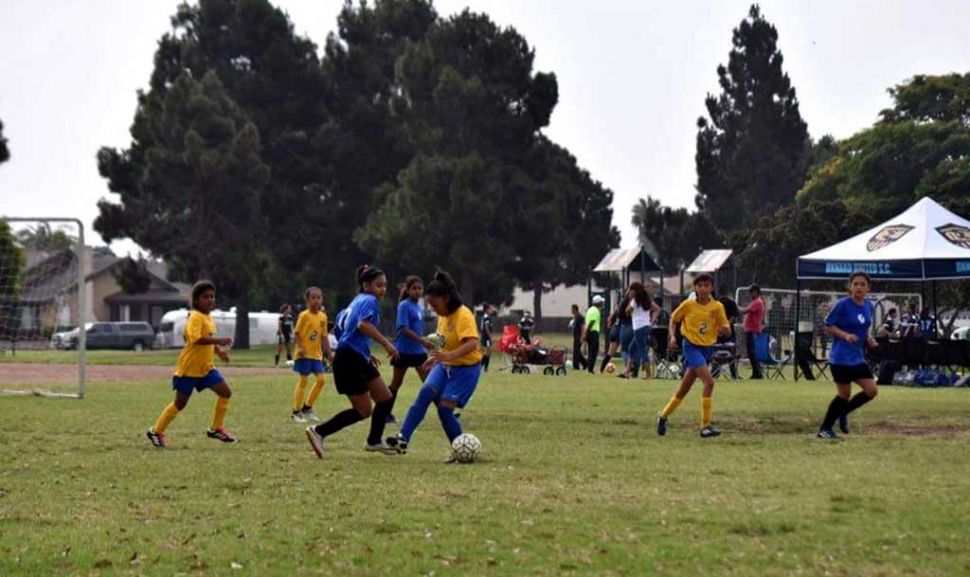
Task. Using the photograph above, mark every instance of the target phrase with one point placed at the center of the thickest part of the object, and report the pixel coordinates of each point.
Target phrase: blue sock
(419, 408)
(449, 422)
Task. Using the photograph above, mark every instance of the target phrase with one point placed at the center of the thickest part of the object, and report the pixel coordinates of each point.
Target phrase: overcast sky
(632, 75)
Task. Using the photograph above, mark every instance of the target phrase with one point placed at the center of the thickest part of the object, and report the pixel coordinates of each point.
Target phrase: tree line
(414, 141)
(769, 191)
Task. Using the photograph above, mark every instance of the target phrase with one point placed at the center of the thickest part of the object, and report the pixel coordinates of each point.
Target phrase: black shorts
(486, 341)
(283, 339)
(352, 373)
(408, 361)
(847, 374)
(614, 333)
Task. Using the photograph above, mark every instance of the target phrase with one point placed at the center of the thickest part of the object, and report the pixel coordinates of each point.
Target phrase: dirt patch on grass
(31, 373)
(913, 430)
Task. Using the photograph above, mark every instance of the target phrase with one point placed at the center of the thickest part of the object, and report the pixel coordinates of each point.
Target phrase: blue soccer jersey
(410, 315)
(364, 307)
(855, 320)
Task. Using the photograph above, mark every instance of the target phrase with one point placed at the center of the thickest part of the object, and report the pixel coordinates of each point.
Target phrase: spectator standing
(591, 332)
(576, 324)
(526, 325)
(754, 316)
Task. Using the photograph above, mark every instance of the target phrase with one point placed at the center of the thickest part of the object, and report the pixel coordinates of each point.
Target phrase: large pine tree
(752, 154)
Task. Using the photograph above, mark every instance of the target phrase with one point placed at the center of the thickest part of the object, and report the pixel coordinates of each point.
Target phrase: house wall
(99, 287)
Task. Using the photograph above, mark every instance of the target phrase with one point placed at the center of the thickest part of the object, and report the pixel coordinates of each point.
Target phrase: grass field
(573, 481)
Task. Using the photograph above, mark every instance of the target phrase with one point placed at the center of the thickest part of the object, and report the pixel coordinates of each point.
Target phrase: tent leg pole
(798, 310)
(936, 315)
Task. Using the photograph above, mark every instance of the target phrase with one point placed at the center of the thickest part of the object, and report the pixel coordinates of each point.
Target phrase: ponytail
(444, 286)
(406, 287)
(366, 274)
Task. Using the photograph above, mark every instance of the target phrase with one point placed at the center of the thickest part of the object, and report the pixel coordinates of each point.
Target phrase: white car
(961, 334)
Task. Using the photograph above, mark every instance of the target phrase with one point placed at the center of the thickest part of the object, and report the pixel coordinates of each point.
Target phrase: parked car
(133, 336)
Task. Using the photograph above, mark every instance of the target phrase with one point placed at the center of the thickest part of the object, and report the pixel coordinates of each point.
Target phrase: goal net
(781, 323)
(43, 302)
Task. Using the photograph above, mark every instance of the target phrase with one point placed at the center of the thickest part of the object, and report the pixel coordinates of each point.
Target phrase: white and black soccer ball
(466, 448)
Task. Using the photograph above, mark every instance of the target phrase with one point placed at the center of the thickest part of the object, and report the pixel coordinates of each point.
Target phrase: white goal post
(44, 306)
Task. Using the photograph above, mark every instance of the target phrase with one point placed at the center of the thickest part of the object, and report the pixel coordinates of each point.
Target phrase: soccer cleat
(221, 435)
(844, 424)
(382, 448)
(827, 434)
(316, 441)
(298, 416)
(709, 431)
(390, 420)
(157, 439)
(451, 460)
(398, 443)
(661, 425)
(309, 415)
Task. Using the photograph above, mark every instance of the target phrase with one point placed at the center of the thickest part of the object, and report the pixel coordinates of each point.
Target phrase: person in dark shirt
(284, 333)
(576, 324)
(525, 327)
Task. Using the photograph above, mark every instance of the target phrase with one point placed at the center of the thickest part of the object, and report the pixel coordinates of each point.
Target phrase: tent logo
(955, 234)
(888, 235)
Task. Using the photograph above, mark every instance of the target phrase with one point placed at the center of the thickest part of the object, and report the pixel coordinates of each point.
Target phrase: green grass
(573, 481)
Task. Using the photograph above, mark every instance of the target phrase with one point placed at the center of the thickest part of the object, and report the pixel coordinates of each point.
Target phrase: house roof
(152, 296)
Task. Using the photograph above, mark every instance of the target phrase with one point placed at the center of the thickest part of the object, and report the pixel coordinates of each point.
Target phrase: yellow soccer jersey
(196, 360)
(311, 329)
(699, 323)
(455, 327)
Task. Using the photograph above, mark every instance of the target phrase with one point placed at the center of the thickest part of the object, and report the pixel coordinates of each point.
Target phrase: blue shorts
(307, 366)
(456, 384)
(695, 355)
(186, 385)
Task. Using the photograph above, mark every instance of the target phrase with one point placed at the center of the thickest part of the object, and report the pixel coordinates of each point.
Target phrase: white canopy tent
(924, 243)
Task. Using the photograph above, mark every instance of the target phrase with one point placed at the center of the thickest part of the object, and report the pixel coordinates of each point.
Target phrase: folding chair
(666, 364)
(807, 359)
(773, 368)
(724, 356)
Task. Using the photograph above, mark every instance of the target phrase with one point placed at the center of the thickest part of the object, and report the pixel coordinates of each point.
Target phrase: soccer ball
(290, 362)
(610, 368)
(466, 448)
(437, 339)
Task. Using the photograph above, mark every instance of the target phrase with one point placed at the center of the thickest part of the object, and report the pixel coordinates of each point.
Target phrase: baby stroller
(527, 358)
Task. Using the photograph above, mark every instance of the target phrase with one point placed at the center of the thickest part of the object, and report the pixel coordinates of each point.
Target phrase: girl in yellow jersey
(312, 345)
(195, 371)
(455, 367)
(701, 322)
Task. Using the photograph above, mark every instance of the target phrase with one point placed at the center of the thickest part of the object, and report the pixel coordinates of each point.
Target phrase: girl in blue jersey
(455, 367)
(849, 323)
(355, 371)
(411, 345)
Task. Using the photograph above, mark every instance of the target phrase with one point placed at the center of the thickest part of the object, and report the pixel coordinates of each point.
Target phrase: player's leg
(837, 406)
(456, 392)
(704, 373)
(869, 391)
(428, 394)
(224, 394)
(384, 398)
(307, 409)
(690, 375)
(156, 434)
(279, 349)
(299, 391)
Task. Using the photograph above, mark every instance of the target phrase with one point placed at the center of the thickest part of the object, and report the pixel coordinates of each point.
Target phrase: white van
(262, 327)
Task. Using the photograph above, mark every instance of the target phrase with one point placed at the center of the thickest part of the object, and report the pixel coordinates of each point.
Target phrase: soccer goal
(44, 306)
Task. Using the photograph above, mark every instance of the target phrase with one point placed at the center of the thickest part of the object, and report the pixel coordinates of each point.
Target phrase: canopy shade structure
(710, 260)
(926, 242)
(629, 259)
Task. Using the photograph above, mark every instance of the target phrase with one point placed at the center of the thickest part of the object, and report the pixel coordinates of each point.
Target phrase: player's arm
(368, 329)
(723, 324)
(279, 328)
(301, 325)
(195, 337)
